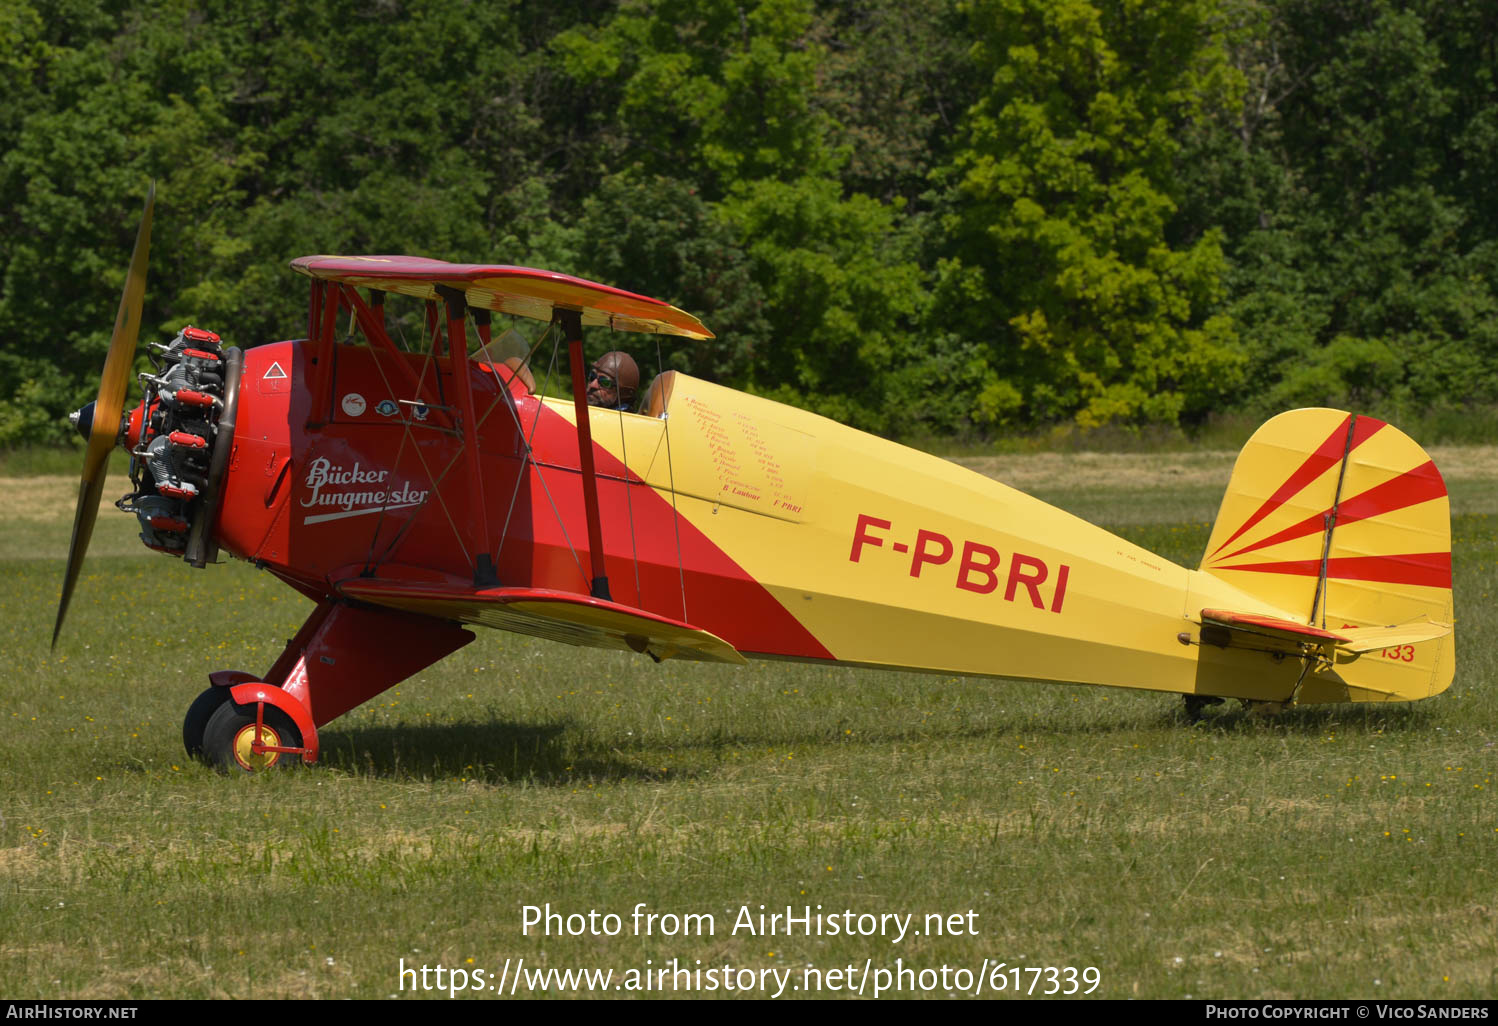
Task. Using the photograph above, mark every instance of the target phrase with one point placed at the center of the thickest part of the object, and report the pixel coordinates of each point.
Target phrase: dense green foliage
(919, 217)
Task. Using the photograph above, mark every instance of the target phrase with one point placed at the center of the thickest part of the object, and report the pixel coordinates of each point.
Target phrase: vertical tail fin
(1343, 521)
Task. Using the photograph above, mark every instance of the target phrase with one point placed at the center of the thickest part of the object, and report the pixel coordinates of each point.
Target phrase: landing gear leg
(343, 655)
(1196, 703)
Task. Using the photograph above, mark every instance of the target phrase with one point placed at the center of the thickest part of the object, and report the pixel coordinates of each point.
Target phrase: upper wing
(519, 291)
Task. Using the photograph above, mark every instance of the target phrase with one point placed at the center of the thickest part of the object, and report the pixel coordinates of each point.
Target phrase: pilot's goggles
(604, 380)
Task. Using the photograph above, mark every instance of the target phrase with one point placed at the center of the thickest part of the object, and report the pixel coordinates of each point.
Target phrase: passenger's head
(613, 380)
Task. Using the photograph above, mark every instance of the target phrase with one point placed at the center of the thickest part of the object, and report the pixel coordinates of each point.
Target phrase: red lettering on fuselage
(1062, 573)
(987, 569)
(1018, 565)
(861, 536)
(942, 555)
(977, 568)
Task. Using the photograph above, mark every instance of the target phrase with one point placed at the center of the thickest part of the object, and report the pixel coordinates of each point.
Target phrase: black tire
(230, 731)
(198, 714)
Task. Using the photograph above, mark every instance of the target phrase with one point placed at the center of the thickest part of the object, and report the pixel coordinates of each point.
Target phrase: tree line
(920, 217)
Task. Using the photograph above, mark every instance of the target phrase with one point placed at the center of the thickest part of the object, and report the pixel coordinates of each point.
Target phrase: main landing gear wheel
(229, 739)
(198, 714)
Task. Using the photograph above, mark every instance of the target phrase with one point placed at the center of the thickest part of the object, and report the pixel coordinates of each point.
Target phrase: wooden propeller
(109, 407)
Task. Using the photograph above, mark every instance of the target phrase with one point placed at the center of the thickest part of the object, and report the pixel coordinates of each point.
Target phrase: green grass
(33, 460)
(1329, 852)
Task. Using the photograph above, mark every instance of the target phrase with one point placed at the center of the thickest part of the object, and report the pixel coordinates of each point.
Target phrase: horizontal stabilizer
(1367, 639)
(545, 613)
(1352, 640)
(1272, 627)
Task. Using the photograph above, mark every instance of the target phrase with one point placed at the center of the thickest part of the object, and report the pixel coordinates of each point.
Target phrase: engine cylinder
(180, 444)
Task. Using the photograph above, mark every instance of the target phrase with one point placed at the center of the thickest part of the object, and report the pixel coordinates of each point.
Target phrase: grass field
(1328, 852)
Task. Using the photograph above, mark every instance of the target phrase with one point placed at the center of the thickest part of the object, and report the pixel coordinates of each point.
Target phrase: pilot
(612, 381)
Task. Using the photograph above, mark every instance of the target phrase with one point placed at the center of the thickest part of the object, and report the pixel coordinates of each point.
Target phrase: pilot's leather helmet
(622, 368)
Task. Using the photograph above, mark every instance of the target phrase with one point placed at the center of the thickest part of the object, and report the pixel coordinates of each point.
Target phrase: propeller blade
(108, 408)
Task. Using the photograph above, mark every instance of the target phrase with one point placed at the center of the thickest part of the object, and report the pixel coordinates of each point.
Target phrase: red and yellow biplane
(410, 492)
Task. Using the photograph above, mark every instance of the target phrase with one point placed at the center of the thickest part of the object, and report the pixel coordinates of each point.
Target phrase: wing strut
(571, 324)
(322, 323)
(484, 575)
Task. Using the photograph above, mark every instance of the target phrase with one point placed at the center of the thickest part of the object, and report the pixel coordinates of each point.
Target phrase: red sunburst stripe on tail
(1408, 489)
(1325, 457)
(1428, 569)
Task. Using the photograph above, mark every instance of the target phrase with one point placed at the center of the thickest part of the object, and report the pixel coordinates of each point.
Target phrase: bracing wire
(526, 459)
(630, 507)
(436, 479)
(369, 558)
(681, 571)
(540, 477)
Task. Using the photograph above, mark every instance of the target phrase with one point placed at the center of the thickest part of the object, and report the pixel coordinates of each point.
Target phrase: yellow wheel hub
(246, 756)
